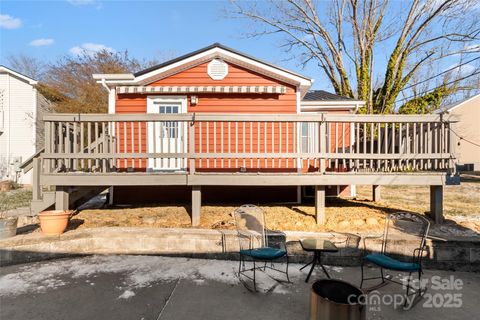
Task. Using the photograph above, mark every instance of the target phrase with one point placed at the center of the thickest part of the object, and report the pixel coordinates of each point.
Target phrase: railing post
(453, 147)
(323, 143)
(191, 144)
(298, 143)
(36, 190)
(48, 143)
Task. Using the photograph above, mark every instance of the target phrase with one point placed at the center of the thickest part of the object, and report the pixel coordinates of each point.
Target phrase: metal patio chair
(400, 226)
(254, 245)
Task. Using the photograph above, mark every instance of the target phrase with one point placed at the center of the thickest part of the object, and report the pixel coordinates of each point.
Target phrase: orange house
(218, 80)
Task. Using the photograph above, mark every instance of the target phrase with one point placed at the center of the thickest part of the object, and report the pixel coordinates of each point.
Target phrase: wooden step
(47, 202)
(78, 196)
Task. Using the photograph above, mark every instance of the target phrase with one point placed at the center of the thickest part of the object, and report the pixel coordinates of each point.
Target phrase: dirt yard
(461, 200)
(462, 207)
(340, 215)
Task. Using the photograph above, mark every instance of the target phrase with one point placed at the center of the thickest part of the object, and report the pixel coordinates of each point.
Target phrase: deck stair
(78, 196)
(44, 197)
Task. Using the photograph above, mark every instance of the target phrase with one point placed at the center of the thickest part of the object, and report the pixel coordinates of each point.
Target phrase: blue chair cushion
(390, 263)
(265, 253)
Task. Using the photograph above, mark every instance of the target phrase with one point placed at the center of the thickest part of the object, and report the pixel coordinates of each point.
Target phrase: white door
(166, 136)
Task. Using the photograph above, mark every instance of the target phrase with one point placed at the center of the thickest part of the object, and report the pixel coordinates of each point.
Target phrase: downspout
(8, 127)
(354, 111)
(104, 84)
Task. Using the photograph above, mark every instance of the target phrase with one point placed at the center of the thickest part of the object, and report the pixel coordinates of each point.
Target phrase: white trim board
(352, 103)
(219, 51)
(315, 106)
(19, 75)
(209, 54)
(166, 99)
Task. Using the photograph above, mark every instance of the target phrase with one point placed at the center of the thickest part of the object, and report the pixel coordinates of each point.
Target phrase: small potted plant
(8, 225)
(54, 222)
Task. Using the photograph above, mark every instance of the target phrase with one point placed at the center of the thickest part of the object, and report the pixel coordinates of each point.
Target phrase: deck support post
(436, 203)
(320, 204)
(376, 194)
(299, 194)
(61, 198)
(110, 196)
(196, 205)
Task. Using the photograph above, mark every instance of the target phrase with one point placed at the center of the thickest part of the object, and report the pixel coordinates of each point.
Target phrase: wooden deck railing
(247, 142)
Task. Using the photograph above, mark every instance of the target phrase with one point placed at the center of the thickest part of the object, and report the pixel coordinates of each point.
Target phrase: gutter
(320, 105)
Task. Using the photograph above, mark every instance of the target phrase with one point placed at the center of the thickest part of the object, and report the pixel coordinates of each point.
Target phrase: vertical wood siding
(219, 103)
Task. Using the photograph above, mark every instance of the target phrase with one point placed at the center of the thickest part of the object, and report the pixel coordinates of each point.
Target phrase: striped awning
(202, 89)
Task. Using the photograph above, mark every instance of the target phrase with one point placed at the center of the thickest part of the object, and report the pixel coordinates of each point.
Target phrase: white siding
(468, 128)
(17, 138)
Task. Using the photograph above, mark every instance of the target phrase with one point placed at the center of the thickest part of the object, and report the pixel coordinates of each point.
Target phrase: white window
(309, 137)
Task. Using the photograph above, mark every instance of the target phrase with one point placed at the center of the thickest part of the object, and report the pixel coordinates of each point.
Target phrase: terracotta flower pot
(54, 222)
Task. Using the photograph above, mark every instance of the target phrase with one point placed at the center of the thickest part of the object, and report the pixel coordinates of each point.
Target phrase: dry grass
(458, 200)
(16, 198)
(342, 215)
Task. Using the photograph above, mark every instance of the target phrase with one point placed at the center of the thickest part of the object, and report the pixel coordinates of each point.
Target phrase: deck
(245, 149)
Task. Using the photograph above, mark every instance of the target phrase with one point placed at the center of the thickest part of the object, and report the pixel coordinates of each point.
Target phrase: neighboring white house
(20, 133)
(468, 131)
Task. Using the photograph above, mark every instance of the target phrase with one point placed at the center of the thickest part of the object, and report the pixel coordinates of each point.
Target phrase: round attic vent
(217, 69)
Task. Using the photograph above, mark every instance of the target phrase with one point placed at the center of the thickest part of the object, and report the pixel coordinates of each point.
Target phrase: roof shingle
(321, 95)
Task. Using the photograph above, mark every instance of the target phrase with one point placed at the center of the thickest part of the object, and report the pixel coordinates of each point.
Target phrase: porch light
(193, 100)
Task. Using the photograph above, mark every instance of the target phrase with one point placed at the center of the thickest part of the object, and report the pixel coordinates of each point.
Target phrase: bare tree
(429, 90)
(340, 35)
(68, 83)
(70, 79)
(27, 65)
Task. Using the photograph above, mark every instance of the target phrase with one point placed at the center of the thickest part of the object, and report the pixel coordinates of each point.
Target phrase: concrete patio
(153, 287)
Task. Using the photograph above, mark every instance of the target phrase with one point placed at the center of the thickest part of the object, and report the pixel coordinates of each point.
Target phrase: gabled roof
(212, 46)
(18, 75)
(321, 95)
(203, 55)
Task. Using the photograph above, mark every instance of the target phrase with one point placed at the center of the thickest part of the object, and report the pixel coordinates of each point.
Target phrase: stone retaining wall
(221, 244)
